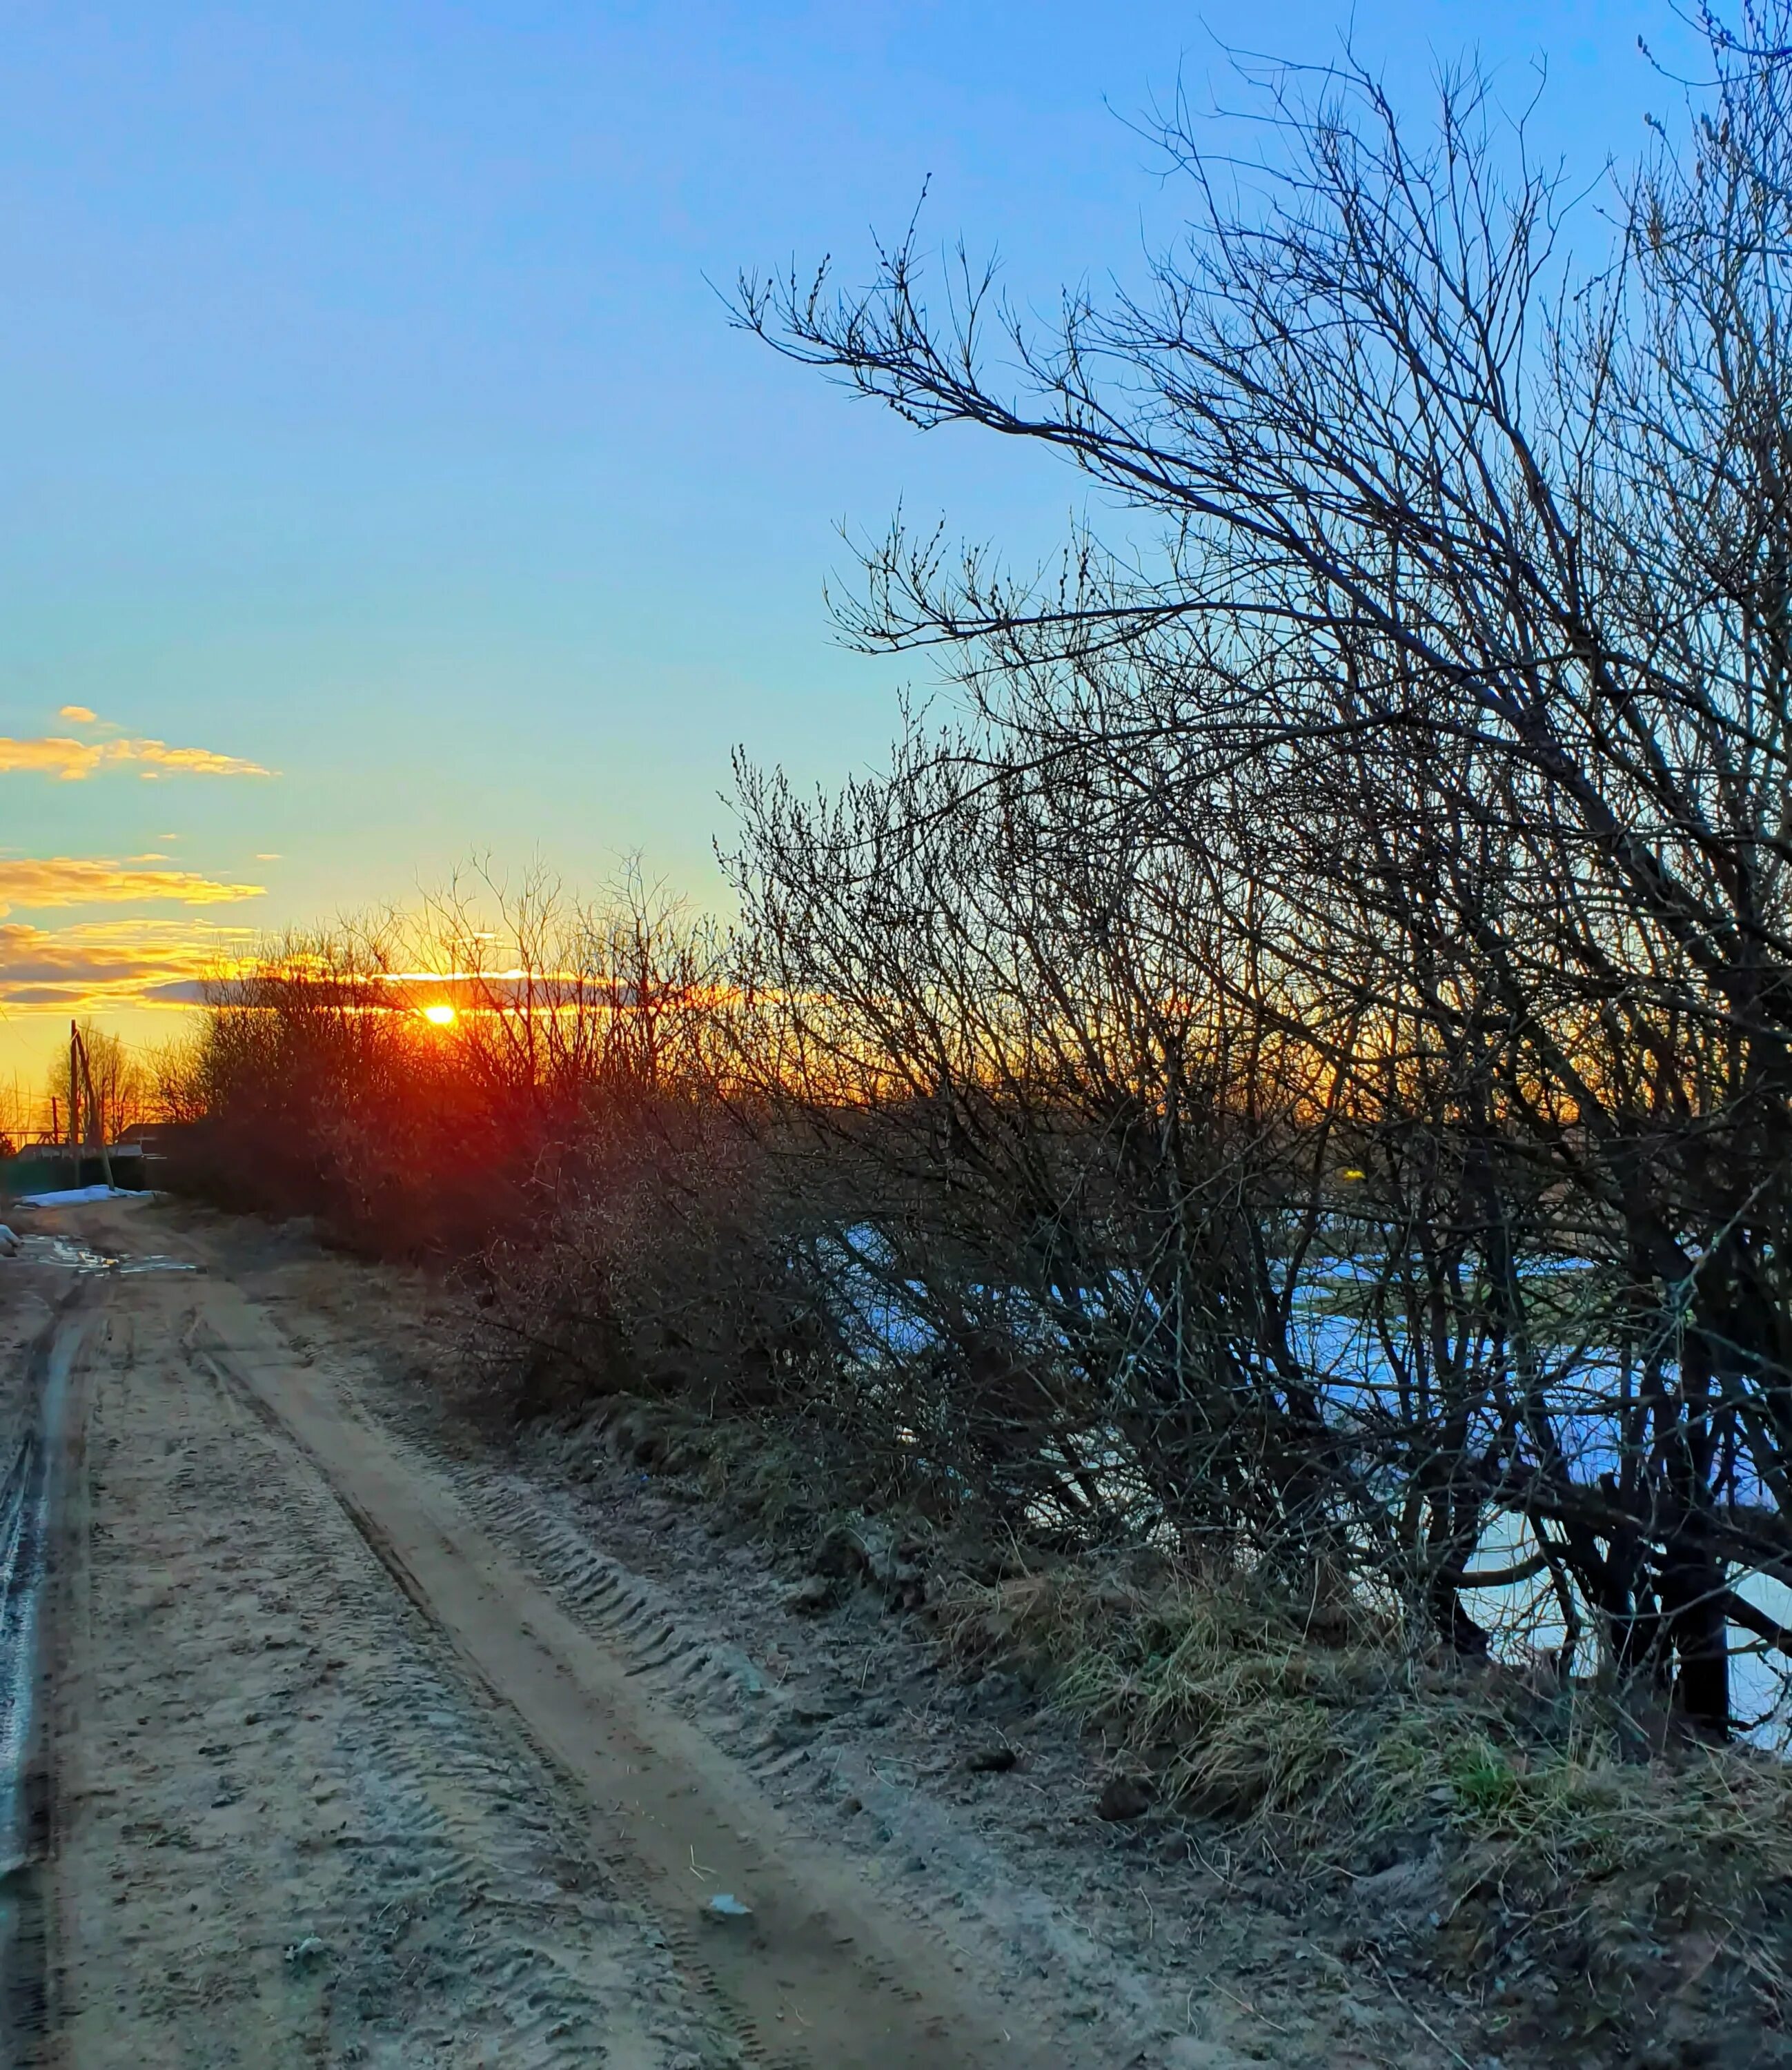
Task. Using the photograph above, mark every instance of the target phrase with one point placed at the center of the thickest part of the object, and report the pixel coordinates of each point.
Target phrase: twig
(1262, 2018)
(1448, 2048)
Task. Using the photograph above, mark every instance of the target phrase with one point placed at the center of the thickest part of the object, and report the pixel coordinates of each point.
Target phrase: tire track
(293, 1837)
(825, 1974)
(782, 1736)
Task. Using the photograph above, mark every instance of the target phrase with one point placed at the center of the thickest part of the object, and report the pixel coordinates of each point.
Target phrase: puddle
(73, 1257)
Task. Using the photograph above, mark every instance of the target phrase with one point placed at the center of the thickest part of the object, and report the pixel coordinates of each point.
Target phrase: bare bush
(420, 1085)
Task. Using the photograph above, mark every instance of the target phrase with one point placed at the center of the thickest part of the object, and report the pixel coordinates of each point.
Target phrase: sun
(441, 1015)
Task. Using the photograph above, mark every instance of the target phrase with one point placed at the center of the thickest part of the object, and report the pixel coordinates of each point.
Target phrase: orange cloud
(79, 714)
(71, 760)
(71, 880)
(115, 964)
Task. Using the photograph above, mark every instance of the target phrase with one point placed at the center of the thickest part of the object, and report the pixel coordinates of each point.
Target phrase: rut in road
(284, 1834)
(822, 1973)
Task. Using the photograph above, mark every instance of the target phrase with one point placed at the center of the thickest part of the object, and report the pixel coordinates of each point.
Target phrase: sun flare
(441, 1015)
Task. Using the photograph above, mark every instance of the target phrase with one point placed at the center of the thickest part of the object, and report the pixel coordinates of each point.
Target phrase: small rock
(726, 1905)
(783, 1734)
(1186, 2053)
(306, 1954)
(869, 1545)
(1406, 1890)
(9, 1243)
(812, 1595)
(1123, 1796)
(993, 1692)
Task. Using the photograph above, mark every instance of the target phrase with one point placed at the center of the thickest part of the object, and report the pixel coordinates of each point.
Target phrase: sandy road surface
(333, 1779)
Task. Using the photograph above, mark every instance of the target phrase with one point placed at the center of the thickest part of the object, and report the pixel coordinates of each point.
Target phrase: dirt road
(330, 1777)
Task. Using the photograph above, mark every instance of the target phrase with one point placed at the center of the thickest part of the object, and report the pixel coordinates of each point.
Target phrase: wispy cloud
(71, 760)
(115, 964)
(79, 713)
(83, 881)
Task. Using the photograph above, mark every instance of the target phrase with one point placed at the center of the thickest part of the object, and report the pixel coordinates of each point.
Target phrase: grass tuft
(1332, 1744)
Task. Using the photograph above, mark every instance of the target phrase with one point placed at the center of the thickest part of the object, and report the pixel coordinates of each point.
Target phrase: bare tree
(1462, 670)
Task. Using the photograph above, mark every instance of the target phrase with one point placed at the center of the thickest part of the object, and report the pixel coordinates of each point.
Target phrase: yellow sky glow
(73, 761)
(64, 880)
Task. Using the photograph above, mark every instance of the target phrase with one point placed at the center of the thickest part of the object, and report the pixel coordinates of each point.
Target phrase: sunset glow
(440, 1015)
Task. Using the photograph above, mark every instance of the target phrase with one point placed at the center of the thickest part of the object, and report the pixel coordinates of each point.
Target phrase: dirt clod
(1123, 1797)
(991, 1760)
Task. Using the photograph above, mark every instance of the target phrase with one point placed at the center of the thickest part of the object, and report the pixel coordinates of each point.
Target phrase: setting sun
(441, 1015)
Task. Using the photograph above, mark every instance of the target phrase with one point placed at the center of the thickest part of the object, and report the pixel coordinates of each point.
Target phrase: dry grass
(1327, 1741)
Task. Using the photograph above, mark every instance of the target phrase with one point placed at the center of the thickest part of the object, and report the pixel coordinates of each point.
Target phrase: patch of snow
(76, 1196)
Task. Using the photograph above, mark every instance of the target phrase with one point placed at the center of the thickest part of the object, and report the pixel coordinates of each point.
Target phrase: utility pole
(74, 1104)
(78, 1060)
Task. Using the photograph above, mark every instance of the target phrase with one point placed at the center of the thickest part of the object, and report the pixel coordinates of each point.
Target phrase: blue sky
(369, 415)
